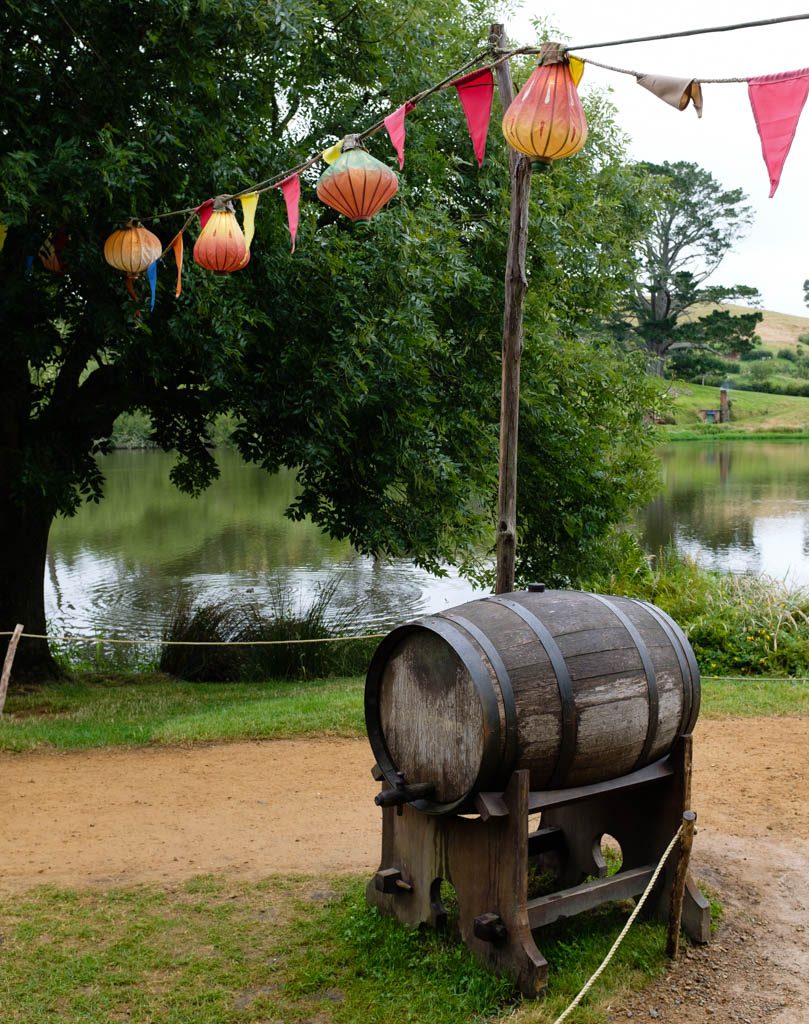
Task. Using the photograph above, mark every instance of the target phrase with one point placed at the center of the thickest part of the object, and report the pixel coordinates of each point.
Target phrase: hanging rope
(614, 948)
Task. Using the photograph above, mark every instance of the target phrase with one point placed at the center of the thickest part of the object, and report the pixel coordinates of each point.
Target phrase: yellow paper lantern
(546, 119)
(357, 184)
(221, 246)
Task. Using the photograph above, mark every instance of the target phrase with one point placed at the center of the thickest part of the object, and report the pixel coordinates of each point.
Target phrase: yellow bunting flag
(576, 69)
(177, 245)
(249, 203)
(333, 152)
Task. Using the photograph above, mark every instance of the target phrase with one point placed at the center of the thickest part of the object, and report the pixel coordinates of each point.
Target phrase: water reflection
(740, 506)
(118, 567)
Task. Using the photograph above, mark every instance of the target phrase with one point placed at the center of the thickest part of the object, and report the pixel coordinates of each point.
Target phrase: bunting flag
(176, 244)
(475, 91)
(777, 102)
(576, 69)
(205, 210)
(249, 203)
(677, 92)
(291, 187)
(395, 125)
(333, 152)
(151, 276)
(50, 252)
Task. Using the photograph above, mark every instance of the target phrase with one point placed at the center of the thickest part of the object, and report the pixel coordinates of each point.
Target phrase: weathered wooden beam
(516, 283)
(546, 909)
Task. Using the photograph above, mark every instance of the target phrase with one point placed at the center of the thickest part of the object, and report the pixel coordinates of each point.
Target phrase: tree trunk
(23, 550)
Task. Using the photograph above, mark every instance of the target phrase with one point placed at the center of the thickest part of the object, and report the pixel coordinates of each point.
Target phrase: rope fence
(190, 643)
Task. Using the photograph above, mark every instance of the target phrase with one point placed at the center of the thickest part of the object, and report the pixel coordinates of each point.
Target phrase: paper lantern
(357, 184)
(132, 249)
(546, 119)
(221, 246)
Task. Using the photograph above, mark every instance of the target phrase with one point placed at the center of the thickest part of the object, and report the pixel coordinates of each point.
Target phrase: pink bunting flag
(205, 210)
(395, 125)
(475, 91)
(777, 102)
(291, 187)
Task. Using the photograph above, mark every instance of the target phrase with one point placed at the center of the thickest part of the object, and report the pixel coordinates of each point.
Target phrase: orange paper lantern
(546, 119)
(221, 246)
(357, 184)
(132, 249)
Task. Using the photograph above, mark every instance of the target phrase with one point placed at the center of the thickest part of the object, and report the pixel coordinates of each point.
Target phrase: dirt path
(118, 817)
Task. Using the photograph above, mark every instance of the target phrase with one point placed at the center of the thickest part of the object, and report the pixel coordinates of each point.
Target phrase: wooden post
(516, 283)
(678, 889)
(11, 650)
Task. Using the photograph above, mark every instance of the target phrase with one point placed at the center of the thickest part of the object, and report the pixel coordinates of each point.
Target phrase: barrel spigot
(404, 794)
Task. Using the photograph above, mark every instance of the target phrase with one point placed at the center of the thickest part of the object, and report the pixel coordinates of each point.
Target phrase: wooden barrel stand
(577, 707)
(486, 858)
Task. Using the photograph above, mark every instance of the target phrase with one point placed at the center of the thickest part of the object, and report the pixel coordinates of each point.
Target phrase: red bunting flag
(475, 91)
(291, 187)
(395, 125)
(205, 210)
(777, 102)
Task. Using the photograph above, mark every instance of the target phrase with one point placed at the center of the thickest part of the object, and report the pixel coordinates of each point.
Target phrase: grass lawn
(135, 710)
(214, 950)
(282, 951)
(751, 412)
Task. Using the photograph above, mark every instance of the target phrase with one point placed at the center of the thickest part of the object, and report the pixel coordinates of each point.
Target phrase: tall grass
(737, 624)
(291, 642)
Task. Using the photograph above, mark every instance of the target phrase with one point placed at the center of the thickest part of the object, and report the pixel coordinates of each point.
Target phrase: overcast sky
(775, 255)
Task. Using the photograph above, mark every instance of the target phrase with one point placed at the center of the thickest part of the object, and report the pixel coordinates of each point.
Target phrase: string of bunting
(358, 185)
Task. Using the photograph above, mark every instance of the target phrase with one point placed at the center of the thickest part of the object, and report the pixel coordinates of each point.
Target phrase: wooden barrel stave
(577, 688)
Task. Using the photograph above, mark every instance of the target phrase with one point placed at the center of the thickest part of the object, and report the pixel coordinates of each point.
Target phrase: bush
(755, 355)
(737, 624)
(789, 354)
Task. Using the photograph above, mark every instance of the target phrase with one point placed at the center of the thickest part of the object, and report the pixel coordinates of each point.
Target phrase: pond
(117, 568)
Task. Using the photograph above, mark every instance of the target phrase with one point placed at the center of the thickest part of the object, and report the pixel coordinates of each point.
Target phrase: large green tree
(368, 360)
(696, 224)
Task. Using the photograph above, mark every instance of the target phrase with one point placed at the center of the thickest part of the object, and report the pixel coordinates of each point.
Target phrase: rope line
(191, 643)
(693, 32)
(614, 949)
(269, 183)
(500, 56)
(637, 74)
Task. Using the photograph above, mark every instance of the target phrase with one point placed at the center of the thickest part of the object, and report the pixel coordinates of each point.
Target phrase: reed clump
(288, 640)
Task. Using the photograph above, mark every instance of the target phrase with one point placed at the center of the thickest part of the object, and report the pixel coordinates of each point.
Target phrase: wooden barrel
(577, 688)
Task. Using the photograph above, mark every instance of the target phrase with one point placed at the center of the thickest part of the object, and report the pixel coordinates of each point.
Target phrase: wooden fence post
(11, 650)
(678, 889)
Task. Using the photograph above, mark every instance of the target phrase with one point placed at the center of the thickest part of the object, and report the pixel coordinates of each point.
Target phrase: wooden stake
(11, 650)
(516, 283)
(678, 889)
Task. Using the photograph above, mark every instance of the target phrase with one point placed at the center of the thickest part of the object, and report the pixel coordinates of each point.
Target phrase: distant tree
(695, 226)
